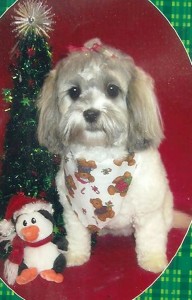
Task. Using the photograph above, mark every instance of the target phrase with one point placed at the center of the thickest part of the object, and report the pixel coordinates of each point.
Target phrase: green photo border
(176, 282)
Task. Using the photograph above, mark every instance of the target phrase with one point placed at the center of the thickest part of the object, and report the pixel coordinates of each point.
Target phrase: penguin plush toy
(28, 224)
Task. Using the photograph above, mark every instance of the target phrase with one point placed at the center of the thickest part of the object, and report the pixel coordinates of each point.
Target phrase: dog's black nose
(91, 115)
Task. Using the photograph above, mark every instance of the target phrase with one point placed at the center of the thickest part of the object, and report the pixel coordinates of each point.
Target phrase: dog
(99, 112)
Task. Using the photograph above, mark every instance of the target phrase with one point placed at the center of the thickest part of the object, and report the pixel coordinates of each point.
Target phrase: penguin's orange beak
(30, 233)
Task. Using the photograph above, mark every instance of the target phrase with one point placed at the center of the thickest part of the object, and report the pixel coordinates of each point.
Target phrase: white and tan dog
(98, 110)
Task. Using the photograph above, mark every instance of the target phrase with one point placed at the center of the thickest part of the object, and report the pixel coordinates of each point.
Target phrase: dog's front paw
(74, 259)
(155, 262)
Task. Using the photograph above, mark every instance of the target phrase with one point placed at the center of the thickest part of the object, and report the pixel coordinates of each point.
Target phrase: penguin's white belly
(42, 257)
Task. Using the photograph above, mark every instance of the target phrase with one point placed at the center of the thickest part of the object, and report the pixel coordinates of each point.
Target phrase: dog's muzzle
(91, 115)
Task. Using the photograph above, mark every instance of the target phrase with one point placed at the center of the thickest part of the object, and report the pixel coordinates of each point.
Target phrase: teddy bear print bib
(96, 190)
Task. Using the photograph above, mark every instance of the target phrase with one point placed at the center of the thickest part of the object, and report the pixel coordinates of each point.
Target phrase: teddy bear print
(93, 229)
(70, 184)
(102, 211)
(84, 171)
(129, 159)
(121, 185)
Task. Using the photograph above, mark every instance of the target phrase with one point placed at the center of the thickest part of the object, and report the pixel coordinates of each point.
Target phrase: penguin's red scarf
(18, 245)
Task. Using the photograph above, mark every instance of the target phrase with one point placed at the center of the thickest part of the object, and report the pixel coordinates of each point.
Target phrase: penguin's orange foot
(51, 275)
(26, 276)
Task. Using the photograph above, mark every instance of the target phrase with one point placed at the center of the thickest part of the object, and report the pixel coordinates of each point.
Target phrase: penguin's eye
(24, 223)
(33, 221)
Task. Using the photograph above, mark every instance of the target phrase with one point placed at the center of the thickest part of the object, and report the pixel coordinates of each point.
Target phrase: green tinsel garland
(28, 167)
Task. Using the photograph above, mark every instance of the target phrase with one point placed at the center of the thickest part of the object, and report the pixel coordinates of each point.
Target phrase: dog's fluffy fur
(129, 120)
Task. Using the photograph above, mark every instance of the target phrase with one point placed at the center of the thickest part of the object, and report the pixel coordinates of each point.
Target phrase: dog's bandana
(96, 190)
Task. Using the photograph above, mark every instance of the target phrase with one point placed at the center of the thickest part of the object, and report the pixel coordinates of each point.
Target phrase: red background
(137, 28)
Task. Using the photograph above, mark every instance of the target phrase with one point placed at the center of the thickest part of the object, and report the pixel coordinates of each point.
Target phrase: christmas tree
(27, 167)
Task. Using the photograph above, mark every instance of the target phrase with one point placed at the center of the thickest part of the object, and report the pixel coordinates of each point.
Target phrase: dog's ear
(48, 134)
(146, 128)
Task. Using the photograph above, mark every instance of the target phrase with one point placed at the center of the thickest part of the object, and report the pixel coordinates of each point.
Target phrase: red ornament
(56, 159)
(31, 52)
(34, 173)
(31, 82)
(42, 194)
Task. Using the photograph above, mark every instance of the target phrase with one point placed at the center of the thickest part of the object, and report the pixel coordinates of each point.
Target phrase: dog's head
(98, 96)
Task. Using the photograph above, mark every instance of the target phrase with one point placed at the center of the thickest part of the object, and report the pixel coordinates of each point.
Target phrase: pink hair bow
(95, 48)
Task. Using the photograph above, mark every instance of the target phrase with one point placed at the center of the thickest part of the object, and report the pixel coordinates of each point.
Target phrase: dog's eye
(112, 90)
(74, 92)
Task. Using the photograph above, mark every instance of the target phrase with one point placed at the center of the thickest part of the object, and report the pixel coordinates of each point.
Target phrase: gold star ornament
(33, 16)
